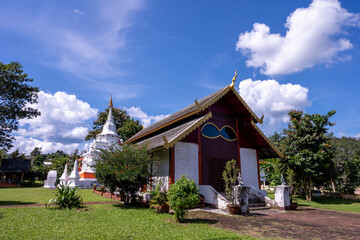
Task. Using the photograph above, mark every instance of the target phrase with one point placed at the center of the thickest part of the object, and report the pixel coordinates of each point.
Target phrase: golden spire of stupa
(110, 103)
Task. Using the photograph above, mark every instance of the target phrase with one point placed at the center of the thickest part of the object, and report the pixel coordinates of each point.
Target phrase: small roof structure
(15, 165)
(168, 138)
(168, 131)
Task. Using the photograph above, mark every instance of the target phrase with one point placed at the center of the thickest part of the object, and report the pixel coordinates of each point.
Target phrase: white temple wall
(162, 157)
(161, 172)
(187, 160)
(249, 167)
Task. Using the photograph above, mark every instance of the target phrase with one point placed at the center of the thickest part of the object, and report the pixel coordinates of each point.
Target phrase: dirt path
(43, 205)
(305, 223)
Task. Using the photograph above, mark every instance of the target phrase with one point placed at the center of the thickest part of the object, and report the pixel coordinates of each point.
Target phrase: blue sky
(156, 57)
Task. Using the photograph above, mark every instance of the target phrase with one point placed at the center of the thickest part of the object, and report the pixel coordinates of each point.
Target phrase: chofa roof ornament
(261, 119)
(198, 106)
(234, 79)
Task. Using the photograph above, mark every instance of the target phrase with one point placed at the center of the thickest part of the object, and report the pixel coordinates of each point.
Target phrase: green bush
(66, 197)
(183, 195)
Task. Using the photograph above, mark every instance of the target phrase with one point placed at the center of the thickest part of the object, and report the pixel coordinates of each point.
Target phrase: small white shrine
(86, 178)
(50, 180)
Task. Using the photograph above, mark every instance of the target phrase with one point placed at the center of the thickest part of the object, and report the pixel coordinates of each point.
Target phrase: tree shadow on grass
(330, 201)
(15, 203)
(223, 238)
(304, 209)
(129, 206)
(199, 221)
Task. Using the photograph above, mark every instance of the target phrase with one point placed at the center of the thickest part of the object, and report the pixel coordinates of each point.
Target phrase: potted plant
(102, 189)
(230, 175)
(159, 200)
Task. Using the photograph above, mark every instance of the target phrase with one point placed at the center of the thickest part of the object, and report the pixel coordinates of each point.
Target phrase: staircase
(258, 206)
(257, 200)
(220, 200)
(255, 203)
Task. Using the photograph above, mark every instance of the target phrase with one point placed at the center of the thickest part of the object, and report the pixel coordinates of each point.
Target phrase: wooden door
(217, 167)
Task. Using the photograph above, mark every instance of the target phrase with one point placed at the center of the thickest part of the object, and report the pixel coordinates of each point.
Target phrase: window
(210, 130)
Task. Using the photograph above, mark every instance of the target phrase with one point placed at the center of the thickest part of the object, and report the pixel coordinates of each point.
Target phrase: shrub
(66, 197)
(124, 168)
(183, 195)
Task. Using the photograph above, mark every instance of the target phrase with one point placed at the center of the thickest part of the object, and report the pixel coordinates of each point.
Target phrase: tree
(307, 149)
(272, 167)
(347, 160)
(230, 176)
(126, 127)
(125, 169)
(15, 95)
(17, 155)
(58, 161)
(272, 170)
(35, 152)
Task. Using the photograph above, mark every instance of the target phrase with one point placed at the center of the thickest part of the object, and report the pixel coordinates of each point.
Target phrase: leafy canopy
(347, 161)
(307, 149)
(15, 95)
(124, 168)
(126, 127)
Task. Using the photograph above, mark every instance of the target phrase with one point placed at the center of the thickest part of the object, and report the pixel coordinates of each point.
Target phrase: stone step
(259, 208)
(258, 204)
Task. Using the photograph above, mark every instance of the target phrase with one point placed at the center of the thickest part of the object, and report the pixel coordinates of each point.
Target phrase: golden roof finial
(234, 79)
(261, 119)
(198, 107)
(110, 103)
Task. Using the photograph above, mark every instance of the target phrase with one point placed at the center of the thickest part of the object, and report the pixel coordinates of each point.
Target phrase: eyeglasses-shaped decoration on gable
(210, 130)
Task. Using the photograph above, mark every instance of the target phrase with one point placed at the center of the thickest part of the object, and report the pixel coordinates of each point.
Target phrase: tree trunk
(333, 185)
(308, 190)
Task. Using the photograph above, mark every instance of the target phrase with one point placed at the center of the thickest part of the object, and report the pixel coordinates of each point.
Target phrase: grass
(337, 204)
(17, 196)
(102, 222)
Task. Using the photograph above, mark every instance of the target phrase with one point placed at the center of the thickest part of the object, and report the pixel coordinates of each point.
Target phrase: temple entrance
(217, 167)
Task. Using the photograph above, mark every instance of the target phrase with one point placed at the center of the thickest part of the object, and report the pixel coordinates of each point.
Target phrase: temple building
(199, 139)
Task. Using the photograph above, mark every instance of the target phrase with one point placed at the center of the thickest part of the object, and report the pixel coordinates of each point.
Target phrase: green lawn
(338, 204)
(16, 196)
(102, 222)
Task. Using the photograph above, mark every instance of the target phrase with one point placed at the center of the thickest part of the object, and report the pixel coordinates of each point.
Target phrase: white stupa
(107, 137)
(64, 177)
(74, 177)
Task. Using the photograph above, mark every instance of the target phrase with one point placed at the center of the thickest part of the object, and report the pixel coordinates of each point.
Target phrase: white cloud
(77, 11)
(62, 124)
(313, 37)
(76, 133)
(26, 145)
(146, 120)
(274, 100)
